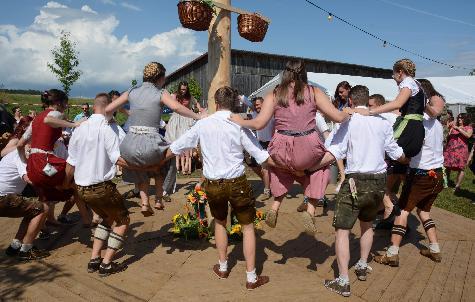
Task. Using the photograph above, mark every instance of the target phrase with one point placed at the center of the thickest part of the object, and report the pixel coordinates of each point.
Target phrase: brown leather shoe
(436, 257)
(386, 260)
(261, 280)
(302, 207)
(220, 274)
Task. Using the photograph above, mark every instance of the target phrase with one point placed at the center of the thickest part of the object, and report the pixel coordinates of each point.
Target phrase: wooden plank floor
(164, 268)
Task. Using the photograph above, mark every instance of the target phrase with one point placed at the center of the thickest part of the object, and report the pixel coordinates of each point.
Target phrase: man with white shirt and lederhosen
(222, 144)
(93, 155)
(362, 192)
(423, 183)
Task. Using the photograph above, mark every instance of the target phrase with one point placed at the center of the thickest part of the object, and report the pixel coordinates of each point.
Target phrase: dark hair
(113, 93)
(465, 117)
(15, 108)
(378, 99)
(23, 124)
(296, 73)
(54, 96)
(225, 97)
(183, 96)
(85, 104)
(259, 98)
(343, 84)
(429, 89)
(359, 95)
(153, 72)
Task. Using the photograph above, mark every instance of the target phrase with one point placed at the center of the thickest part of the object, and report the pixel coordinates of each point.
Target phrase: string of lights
(385, 42)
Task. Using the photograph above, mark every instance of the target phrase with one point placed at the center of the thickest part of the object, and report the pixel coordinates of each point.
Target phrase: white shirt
(93, 151)
(432, 152)
(222, 144)
(390, 117)
(266, 133)
(410, 83)
(322, 126)
(364, 141)
(12, 170)
(118, 131)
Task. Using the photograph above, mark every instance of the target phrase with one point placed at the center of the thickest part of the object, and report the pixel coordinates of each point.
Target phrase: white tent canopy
(456, 90)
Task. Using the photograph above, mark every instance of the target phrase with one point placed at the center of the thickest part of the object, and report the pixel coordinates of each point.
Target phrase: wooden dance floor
(165, 268)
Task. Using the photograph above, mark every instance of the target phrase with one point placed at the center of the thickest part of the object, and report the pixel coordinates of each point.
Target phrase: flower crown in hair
(45, 95)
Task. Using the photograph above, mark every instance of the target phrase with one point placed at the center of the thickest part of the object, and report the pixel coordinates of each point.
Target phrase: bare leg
(221, 237)
(277, 202)
(144, 196)
(85, 212)
(35, 226)
(266, 178)
(249, 246)
(460, 176)
(188, 161)
(366, 240)
(158, 193)
(311, 206)
(342, 250)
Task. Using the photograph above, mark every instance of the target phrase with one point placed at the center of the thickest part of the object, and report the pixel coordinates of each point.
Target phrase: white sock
(434, 247)
(361, 264)
(251, 276)
(223, 266)
(266, 190)
(392, 251)
(26, 247)
(344, 280)
(16, 244)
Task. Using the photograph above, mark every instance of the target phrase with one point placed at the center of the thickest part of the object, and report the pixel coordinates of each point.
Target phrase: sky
(116, 38)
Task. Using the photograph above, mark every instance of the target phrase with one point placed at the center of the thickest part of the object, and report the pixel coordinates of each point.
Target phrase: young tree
(65, 62)
(472, 73)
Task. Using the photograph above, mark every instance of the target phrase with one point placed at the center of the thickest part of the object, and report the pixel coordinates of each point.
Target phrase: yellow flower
(176, 230)
(236, 229)
(176, 217)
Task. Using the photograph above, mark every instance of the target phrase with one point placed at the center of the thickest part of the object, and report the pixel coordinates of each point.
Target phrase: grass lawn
(463, 202)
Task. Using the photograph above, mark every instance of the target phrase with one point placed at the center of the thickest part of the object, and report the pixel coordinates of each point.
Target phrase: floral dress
(456, 151)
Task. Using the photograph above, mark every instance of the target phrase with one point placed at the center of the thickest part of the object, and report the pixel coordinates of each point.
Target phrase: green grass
(463, 202)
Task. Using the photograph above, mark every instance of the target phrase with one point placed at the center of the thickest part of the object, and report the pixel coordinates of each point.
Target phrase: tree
(66, 62)
(472, 73)
(134, 82)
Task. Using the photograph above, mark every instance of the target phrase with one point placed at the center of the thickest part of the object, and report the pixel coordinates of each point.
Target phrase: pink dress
(456, 151)
(297, 152)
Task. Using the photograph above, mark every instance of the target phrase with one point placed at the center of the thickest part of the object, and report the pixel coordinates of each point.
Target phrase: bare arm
(400, 100)
(467, 133)
(59, 123)
(327, 159)
(261, 120)
(27, 180)
(174, 105)
(21, 149)
(326, 107)
(9, 147)
(435, 106)
(117, 103)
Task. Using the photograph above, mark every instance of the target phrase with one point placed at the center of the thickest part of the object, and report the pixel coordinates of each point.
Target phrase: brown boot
(261, 280)
(271, 218)
(220, 274)
(302, 207)
(387, 260)
(436, 257)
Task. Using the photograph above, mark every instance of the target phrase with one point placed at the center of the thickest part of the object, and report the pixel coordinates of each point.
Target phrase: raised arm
(261, 120)
(400, 100)
(9, 147)
(117, 103)
(467, 133)
(174, 105)
(326, 107)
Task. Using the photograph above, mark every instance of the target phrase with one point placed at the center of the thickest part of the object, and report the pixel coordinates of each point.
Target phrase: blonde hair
(153, 72)
(406, 66)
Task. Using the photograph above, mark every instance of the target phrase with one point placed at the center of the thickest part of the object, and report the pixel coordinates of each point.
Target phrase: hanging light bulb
(452, 67)
(385, 44)
(330, 17)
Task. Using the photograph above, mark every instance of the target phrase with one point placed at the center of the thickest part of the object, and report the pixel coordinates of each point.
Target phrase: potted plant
(196, 14)
(252, 27)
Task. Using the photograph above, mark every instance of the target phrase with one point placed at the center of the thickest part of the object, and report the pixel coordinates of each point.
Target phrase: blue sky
(134, 32)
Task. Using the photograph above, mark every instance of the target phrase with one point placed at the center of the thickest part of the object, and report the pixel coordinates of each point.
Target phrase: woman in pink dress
(456, 151)
(296, 143)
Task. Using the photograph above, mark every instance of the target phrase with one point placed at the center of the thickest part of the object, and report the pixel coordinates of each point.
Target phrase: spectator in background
(32, 113)
(377, 100)
(86, 113)
(456, 151)
(17, 114)
(341, 99)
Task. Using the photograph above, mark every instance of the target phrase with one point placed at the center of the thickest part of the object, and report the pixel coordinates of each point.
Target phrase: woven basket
(252, 27)
(195, 15)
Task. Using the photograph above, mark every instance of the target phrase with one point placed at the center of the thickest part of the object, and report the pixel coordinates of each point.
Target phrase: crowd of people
(376, 145)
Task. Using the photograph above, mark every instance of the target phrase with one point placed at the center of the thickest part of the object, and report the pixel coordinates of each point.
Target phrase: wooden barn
(250, 70)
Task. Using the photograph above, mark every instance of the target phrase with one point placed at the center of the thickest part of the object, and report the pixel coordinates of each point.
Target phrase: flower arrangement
(235, 231)
(193, 224)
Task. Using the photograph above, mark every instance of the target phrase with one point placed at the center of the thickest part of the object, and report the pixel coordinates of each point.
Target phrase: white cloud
(106, 59)
(111, 2)
(130, 6)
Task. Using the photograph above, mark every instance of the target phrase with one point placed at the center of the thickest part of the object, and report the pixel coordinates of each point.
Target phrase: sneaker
(361, 272)
(166, 198)
(271, 218)
(337, 287)
(131, 194)
(66, 220)
(436, 257)
(266, 195)
(261, 280)
(112, 268)
(93, 265)
(11, 251)
(33, 254)
(387, 260)
(220, 274)
(308, 223)
(44, 235)
(302, 207)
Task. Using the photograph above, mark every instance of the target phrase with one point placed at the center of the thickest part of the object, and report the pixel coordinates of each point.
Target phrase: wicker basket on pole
(195, 15)
(252, 27)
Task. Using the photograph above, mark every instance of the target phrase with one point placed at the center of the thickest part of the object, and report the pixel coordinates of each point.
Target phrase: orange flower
(432, 174)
